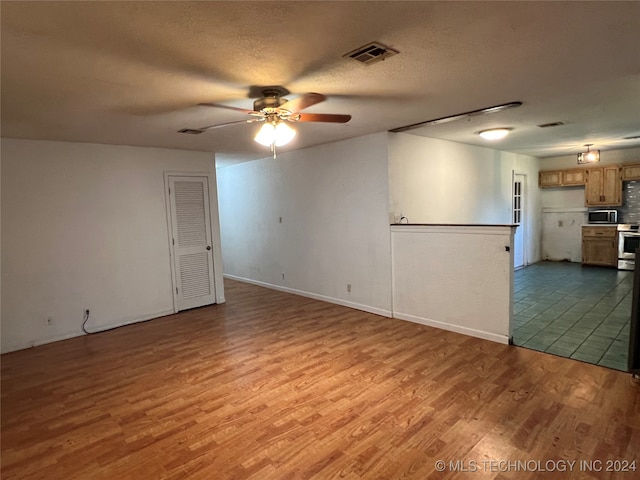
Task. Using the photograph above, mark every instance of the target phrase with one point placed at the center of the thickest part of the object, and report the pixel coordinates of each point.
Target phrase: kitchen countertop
(453, 225)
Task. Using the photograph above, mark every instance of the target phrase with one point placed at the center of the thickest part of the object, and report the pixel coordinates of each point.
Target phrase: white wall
(563, 208)
(456, 278)
(562, 233)
(84, 226)
(563, 214)
(437, 181)
(333, 201)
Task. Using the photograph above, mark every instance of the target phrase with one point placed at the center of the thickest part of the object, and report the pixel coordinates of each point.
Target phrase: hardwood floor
(277, 386)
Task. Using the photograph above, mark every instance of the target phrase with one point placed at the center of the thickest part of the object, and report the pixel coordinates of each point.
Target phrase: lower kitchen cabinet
(600, 245)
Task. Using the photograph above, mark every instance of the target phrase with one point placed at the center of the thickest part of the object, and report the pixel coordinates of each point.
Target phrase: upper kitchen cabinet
(603, 186)
(550, 178)
(562, 178)
(630, 172)
(575, 176)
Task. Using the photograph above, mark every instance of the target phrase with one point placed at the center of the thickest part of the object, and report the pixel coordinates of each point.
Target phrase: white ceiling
(132, 73)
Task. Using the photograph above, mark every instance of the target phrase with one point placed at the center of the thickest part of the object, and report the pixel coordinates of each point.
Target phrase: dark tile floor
(574, 311)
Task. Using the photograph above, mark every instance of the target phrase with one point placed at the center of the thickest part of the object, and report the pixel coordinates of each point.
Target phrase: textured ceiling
(132, 73)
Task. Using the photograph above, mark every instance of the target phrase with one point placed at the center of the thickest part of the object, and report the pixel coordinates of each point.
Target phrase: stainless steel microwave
(603, 216)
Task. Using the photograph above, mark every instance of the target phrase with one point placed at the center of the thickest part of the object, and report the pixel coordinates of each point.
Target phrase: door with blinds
(191, 241)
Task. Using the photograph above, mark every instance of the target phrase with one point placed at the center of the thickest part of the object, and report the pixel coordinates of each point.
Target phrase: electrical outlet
(397, 217)
(87, 312)
(348, 287)
(49, 321)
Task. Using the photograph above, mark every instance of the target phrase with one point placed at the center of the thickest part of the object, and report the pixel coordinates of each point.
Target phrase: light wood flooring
(277, 386)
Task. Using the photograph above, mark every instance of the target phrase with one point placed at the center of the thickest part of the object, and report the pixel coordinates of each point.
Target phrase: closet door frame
(214, 221)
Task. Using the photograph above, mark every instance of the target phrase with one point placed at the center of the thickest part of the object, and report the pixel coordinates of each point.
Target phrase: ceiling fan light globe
(266, 135)
(283, 134)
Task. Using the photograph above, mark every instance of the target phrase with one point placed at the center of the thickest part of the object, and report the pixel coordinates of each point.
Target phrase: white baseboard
(494, 337)
(52, 339)
(98, 329)
(315, 296)
(143, 318)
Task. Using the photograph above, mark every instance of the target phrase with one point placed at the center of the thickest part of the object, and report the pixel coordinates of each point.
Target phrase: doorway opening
(519, 213)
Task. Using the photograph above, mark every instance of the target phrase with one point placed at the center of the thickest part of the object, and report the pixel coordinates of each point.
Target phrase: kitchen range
(628, 243)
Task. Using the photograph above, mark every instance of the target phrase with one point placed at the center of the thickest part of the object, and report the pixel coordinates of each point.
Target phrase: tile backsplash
(629, 212)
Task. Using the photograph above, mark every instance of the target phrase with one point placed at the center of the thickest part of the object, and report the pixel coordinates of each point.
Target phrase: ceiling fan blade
(228, 107)
(228, 124)
(195, 131)
(324, 117)
(303, 101)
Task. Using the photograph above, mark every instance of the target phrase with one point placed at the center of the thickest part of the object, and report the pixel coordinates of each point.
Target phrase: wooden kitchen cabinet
(630, 172)
(575, 176)
(603, 187)
(550, 178)
(562, 178)
(600, 245)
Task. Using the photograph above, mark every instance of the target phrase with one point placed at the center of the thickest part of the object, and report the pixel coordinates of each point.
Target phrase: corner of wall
(314, 220)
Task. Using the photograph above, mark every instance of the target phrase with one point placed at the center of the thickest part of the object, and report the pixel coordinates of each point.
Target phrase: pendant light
(590, 156)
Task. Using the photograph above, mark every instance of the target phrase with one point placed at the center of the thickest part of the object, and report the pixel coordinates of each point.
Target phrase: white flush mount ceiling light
(494, 133)
(590, 156)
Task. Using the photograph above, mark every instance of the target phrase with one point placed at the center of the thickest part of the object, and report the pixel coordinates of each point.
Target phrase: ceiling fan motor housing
(268, 102)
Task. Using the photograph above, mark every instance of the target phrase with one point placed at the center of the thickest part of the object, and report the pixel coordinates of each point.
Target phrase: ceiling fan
(275, 112)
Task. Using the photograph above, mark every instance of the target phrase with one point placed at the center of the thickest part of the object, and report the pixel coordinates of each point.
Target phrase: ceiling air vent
(552, 124)
(371, 53)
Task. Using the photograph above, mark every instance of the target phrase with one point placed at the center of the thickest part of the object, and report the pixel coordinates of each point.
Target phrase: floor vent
(371, 53)
(552, 124)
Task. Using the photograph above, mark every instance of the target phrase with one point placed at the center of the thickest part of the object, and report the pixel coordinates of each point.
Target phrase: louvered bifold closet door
(191, 241)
